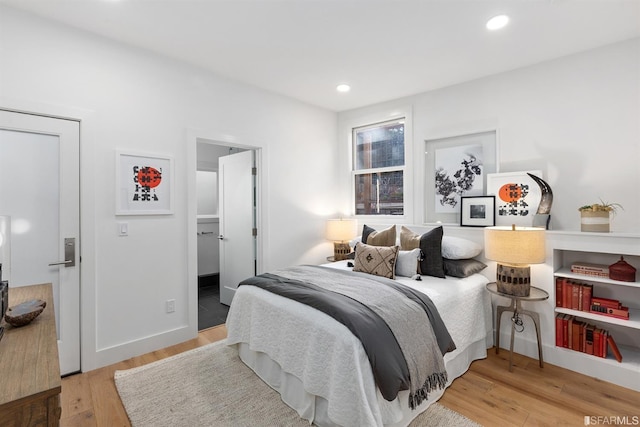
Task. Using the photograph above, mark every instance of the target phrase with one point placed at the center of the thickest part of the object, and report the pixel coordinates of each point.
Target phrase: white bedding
(321, 369)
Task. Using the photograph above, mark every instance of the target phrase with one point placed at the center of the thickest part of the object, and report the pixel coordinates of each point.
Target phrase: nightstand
(535, 294)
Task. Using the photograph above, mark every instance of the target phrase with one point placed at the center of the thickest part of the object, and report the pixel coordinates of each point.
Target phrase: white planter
(595, 221)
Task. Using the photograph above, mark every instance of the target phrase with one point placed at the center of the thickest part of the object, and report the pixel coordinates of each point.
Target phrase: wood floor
(488, 393)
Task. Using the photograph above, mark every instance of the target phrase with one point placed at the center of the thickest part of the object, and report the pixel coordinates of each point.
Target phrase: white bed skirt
(311, 407)
(303, 353)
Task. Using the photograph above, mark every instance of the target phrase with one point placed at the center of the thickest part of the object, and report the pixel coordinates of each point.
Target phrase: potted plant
(596, 217)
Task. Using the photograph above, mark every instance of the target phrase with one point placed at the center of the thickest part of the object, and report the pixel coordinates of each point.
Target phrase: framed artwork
(477, 211)
(517, 197)
(144, 184)
(456, 167)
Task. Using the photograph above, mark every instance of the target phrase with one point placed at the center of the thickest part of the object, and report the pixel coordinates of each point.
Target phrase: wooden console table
(29, 365)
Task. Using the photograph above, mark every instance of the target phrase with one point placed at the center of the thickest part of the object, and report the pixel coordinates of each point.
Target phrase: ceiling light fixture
(497, 22)
(343, 88)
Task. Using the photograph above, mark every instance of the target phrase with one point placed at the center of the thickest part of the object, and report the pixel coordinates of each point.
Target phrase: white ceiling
(384, 49)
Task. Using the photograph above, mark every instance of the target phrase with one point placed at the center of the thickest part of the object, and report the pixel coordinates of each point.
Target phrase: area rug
(210, 386)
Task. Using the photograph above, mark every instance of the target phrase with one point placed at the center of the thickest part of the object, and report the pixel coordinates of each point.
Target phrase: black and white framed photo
(144, 184)
(478, 211)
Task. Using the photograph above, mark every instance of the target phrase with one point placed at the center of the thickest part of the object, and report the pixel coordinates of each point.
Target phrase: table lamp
(514, 248)
(340, 231)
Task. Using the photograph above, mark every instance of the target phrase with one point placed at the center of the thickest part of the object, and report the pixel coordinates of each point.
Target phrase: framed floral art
(456, 167)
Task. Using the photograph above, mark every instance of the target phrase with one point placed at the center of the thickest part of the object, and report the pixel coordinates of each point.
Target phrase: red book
(589, 339)
(575, 296)
(559, 283)
(603, 343)
(587, 291)
(580, 294)
(621, 313)
(575, 335)
(606, 302)
(570, 332)
(614, 348)
(558, 330)
(565, 330)
(566, 293)
(597, 338)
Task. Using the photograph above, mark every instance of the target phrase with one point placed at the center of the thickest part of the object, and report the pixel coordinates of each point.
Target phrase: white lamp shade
(515, 245)
(340, 230)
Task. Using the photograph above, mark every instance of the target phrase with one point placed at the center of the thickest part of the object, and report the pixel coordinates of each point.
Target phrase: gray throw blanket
(407, 319)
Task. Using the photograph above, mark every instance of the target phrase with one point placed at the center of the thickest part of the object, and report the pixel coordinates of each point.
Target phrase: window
(378, 168)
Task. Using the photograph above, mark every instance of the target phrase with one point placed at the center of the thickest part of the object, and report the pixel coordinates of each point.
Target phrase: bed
(321, 369)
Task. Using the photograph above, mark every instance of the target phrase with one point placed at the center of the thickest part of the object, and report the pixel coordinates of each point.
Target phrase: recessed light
(343, 88)
(497, 22)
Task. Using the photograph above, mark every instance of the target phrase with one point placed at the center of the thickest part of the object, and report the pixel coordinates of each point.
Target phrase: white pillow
(459, 248)
(407, 263)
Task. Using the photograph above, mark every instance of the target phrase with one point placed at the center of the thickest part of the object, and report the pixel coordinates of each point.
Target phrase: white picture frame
(517, 197)
(144, 184)
(445, 155)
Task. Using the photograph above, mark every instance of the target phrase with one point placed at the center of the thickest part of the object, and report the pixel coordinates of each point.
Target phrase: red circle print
(149, 177)
(510, 193)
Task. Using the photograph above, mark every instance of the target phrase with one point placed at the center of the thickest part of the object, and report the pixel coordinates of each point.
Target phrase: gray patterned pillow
(377, 260)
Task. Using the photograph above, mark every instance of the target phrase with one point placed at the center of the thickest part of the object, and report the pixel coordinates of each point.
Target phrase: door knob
(221, 237)
(67, 262)
(69, 253)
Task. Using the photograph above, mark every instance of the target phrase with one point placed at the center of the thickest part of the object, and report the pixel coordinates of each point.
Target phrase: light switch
(123, 229)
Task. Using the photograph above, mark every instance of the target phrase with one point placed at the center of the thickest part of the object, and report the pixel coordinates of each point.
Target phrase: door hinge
(254, 232)
(254, 171)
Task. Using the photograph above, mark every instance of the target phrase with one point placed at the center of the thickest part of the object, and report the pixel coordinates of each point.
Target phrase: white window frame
(347, 127)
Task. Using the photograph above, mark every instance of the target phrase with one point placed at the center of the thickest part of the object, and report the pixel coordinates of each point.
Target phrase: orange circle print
(510, 193)
(149, 177)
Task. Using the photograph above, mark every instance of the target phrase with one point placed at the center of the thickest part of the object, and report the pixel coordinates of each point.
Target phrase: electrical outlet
(171, 305)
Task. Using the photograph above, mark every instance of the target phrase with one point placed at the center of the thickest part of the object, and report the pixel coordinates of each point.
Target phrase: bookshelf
(602, 249)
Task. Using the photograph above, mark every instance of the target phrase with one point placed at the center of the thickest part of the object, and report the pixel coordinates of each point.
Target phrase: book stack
(573, 294)
(577, 335)
(609, 307)
(588, 269)
(579, 296)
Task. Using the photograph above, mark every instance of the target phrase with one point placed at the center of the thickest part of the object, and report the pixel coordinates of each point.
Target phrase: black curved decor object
(543, 214)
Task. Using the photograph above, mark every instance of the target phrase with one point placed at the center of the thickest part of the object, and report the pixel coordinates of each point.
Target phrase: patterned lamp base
(513, 280)
(341, 250)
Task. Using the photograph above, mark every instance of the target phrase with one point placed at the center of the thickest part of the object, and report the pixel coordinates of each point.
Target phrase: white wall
(132, 99)
(576, 118)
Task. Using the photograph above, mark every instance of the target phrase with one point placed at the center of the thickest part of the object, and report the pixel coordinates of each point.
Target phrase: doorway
(226, 218)
(40, 211)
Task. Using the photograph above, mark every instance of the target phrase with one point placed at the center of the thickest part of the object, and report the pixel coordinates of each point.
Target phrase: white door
(40, 206)
(237, 213)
